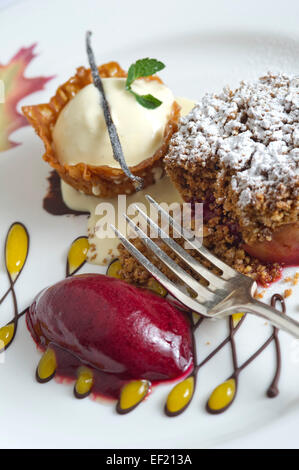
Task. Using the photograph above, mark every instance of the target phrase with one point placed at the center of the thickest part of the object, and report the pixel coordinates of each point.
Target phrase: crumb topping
(287, 293)
(252, 134)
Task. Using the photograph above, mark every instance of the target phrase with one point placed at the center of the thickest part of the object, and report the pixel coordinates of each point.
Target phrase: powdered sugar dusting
(252, 133)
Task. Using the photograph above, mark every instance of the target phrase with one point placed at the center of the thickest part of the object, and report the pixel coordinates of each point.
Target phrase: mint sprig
(144, 68)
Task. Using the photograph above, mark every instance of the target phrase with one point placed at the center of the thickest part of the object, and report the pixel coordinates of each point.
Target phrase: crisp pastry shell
(102, 181)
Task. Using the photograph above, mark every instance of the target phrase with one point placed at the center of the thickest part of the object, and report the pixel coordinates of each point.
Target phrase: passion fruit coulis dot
(47, 366)
(84, 382)
(180, 397)
(222, 396)
(156, 287)
(236, 318)
(114, 269)
(77, 255)
(6, 335)
(16, 249)
(131, 395)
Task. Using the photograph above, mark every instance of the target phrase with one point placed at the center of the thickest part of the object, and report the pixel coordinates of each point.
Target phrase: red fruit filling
(283, 248)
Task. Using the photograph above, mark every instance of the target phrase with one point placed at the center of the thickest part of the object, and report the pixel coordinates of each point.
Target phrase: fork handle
(275, 317)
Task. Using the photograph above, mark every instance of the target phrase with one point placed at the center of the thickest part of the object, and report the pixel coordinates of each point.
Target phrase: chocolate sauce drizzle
(12, 283)
(53, 202)
(273, 390)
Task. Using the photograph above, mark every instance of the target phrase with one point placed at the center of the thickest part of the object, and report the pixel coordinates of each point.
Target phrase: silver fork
(228, 293)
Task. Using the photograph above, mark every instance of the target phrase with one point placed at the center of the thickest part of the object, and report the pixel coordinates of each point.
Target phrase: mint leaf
(131, 77)
(148, 101)
(144, 68)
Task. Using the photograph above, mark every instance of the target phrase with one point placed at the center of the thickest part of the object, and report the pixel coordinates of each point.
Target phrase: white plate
(205, 45)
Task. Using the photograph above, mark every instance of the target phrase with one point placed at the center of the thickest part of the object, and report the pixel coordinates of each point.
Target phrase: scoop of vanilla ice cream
(80, 133)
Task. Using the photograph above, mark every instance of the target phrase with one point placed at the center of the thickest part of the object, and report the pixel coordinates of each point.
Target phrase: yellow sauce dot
(6, 335)
(156, 287)
(47, 365)
(222, 396)
(16, 249)
(84, 381)
(133, 393)
(236, 318)
(180, 396)
(114, 269)
(77, 254)
(195, 317)
(191, 292)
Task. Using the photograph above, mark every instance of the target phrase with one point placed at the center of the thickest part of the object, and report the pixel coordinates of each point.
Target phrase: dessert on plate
(238, 153)
(76, 138)
(103, 140)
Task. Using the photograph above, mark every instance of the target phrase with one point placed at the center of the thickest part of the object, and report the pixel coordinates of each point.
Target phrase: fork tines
(205, 297)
